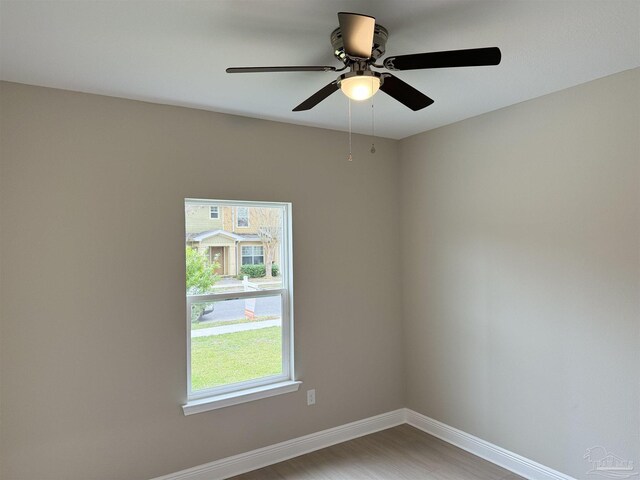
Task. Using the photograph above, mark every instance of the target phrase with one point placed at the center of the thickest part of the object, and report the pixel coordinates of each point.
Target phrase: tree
(200, 272)
(200, 278)
(269, 231)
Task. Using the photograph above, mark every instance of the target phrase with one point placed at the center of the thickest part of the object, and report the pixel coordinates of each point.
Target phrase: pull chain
(350, 158)
(373, 129)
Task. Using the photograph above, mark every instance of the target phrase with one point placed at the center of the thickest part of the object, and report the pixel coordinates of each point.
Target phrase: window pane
(235, 340)
(214, 265)
(243, 216)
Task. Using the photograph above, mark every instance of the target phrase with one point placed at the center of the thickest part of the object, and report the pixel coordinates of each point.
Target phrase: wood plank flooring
(399, 453)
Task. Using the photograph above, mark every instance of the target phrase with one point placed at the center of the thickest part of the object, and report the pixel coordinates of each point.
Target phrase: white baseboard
(483, 449)
(262, 457)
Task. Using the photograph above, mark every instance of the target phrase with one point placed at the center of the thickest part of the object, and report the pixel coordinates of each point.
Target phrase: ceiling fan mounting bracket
(380, 37)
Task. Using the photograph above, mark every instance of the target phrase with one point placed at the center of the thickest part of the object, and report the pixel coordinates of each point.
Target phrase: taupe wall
(521, 274)
(520, 278)
(92, 335)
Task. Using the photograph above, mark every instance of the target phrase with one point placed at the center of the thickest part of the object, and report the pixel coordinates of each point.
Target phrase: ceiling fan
(358, 43)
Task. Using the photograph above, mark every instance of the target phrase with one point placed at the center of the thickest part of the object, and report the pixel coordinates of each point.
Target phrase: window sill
(249, 395)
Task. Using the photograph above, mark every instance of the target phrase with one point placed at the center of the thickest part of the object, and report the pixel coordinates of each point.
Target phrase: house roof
(199, 237)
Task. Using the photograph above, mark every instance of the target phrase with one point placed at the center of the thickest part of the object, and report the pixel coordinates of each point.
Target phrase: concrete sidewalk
(238, 327)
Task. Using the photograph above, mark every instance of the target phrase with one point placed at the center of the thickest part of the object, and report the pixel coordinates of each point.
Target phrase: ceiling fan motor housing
(378, 48)
(361, 73)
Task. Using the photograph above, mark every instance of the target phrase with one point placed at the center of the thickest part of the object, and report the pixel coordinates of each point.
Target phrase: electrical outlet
(311, 397)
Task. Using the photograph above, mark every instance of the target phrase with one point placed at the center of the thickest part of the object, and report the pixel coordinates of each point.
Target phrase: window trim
(231, 394)
(211, 207)
(248, 395)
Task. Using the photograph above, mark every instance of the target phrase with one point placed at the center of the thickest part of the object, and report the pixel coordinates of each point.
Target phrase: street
(234, 309)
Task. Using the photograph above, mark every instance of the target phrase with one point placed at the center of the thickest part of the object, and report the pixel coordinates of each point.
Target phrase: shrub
(253, 271)
(258, 270)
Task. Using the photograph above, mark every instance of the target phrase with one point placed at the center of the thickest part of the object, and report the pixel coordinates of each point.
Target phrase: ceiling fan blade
(404, 93)
(473, 57)
(357, 34)
(281, 69)
(317, 97)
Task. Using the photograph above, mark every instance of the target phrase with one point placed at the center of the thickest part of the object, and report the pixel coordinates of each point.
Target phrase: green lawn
(235, 357)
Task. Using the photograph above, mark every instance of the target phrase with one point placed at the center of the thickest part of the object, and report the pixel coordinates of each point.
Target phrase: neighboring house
(227, 234)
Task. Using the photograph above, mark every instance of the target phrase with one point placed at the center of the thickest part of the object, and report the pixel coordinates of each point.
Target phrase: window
(252, 255)
(239, 341)
(243, 217)
(213, 212)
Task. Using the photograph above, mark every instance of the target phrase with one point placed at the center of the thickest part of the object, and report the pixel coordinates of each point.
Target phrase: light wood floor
(399, 453)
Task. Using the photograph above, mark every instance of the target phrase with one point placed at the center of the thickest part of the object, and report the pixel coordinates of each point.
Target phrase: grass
(235, 357)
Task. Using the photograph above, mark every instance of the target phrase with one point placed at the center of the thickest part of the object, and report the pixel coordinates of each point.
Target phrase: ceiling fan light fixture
(360, 85)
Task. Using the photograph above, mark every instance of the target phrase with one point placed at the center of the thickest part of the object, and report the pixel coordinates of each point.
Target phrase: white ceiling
(175, 52)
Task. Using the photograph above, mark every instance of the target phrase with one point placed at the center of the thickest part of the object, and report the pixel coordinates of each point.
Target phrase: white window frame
(238, 217)
(211, 207)
(231, 394)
